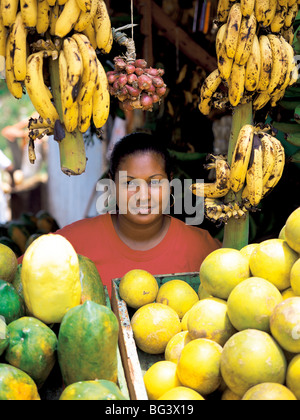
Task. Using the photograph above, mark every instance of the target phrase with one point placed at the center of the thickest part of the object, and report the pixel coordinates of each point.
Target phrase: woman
(139, 235)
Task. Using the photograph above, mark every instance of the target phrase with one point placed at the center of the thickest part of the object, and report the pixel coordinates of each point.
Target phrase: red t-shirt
(182, 250)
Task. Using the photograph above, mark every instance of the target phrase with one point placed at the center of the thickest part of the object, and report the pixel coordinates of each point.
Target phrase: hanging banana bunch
(58, 68)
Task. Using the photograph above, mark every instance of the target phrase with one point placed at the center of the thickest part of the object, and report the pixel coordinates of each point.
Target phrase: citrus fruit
(251, 357)
(8, 263)
(288, 293)
(222, 270)
(177, 294)
(11, 304)
(293, 376)
(160, 378)
(175, 346)
(50, 278)
(153, 326)
(251, 304)
(209, 319)
(269, 392)
(295, 278)
(199, 366)
(273, 260)
(184, 320)
(138, 288)
(285, 324)
(181, 393)
(282, 233)
(228, 395)
(202, 293)
(247, 250)
(292, 230)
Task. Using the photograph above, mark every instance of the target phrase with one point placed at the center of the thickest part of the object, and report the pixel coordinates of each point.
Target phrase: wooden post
(144, 8)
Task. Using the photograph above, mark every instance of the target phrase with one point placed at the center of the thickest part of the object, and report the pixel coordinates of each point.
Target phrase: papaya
(17, 282)
(4, 336)
(32, 347)
(8, 263)
(11, 304)
(4, 240)
(87, 344)
(30, 220)
(97, 390)
(19, 233)
(45, 222)
(91, 284)
(16, 385)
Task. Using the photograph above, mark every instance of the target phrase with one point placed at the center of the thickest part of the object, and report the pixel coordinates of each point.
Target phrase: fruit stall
(231, 330)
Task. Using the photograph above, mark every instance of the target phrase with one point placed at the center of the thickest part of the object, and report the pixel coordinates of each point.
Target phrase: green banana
(290, 128)
(296, 157)
(293, 138)
(289, 105)
(297, 114)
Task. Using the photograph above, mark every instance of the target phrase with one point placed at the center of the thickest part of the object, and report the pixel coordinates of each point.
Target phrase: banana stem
(236, 231)
(71, 147)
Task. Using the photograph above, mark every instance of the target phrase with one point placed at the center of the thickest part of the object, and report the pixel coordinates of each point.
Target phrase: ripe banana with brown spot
(67, 18)
(8, 11)
(220, 38)
(43, 16)
(85, 112)
(246, 38)
(102, 24)
(270, 13)
(3, 37)
(291, 15)
(18, 52)
(233, 29)
(220, 187)
(223, 10)
(266, 58)
(13, 85)
(261, 100)
(101, 98)
(86, 18)
(236, 83)
(261, 8)
(224, 62)
(280, 64)
(241, 157)
(269, 156)
(247, 7)
(74, 68)
(278, 167)
(254, 177)
(208, 88)
(54, 14)
(29, 12)
(253, 67)
(279, 19)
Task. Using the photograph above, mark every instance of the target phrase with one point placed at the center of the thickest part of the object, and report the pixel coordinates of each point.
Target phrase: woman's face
(142, 187)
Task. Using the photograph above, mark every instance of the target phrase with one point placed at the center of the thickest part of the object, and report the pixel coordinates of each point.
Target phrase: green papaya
(97, 390)
(88, 343)
(91, 283)
(12, 306)
(16, 385)
(4, 336)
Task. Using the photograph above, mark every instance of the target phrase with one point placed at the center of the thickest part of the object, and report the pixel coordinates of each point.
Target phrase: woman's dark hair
(138, 142)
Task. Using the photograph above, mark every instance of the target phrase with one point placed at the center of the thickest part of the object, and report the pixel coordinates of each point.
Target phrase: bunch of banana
(220, 212)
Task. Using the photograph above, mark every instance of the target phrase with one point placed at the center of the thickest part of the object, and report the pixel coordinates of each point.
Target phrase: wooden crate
(135, 361)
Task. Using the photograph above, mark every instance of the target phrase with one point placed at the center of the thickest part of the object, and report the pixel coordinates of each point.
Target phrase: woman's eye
(131, 184)
(155, 182)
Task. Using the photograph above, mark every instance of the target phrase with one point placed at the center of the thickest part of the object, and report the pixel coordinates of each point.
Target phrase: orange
(292, 230)
(153, 326)
(222, 270)
(293, 376)
(184, 321)
(251, 357)
(285, 324)
(199, 366)
(269, 392)
(209, 319)
(202, 293)
(177, 294)
(288, 293)
(175, 346)
(8, 263)
(273, 260)
(138, 288)
(181, 393)
(295, 278)
(160, 378)
(251, 304)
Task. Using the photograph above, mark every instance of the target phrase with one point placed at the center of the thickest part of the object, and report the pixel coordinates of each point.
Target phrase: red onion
(155, 98)
(158, 82)
(144, 82)
(112, 76)
(139, 71)
(122, 80)
(130, 68)
(146, 101)
(132, 78)
(151, 89)
(140, 63)
(152, 72)
(133, 91)
(127, 106)
(120, 64)
(161, 91)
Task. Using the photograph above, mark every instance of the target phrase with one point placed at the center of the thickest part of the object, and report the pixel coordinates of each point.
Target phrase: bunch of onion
(136, 85)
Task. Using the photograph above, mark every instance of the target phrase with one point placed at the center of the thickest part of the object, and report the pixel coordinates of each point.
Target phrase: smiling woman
(140, 235)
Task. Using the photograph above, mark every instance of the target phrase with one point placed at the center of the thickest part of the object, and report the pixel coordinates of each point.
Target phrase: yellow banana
(291, 2)
(67, 18)
(261, 100)
(253, 66)
(223, 10)
(246, 38)
(51, 2)
(36, 88)
(86, 18)
(3, 37)
(43, 16)
(89, 31)
(261, 8)
(35, 123)
(102, 25)
(277, 97)
(254, 177)
(61, 2)
(279, 19)
(283, 2)
(280, 64)
(54, 13)
(38, 133)
(74, 67)
(270, 13)
(266, 63)
(236, 84)
(101, 98)
(85, 5)
(18, 53)
(66, 87)
(224, 62)
(247, 7)
(29, 12)
(290, 63)
(291, 15)
(208, 88)
(216, 189)
(241, 157)
(85, 112)
(269, 157)
(8, 11)
(70, 117)
(220, 38)
(90, 68)
(278, 167)
(108, 47)
(233, 29)
(13, 85)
